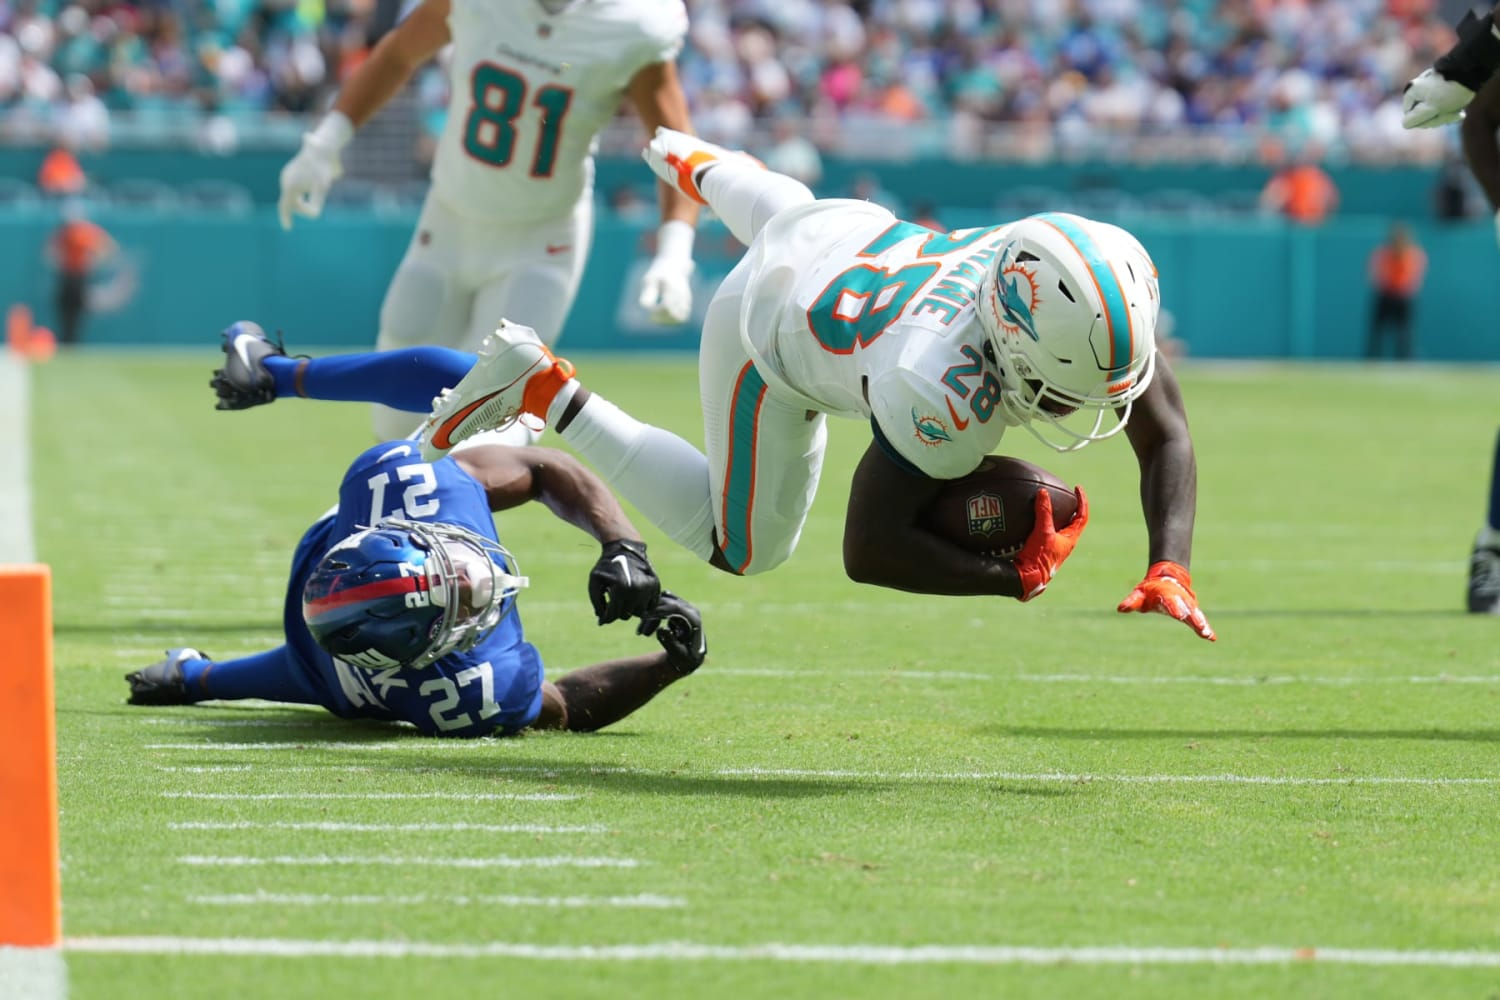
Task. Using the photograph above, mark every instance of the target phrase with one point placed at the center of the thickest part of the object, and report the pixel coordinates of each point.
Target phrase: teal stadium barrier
(1237, 288)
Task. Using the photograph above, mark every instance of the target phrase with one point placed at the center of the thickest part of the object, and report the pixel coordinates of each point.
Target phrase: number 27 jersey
(862, 315)
(530, 92)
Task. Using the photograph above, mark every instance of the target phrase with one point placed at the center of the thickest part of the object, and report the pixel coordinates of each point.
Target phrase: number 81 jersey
(530, 91)
(862, 315)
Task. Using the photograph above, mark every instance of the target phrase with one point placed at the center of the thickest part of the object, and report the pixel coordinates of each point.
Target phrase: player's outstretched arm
(622, 583)
(306, 178)
(1439, 95)
(884, 546)
(1158, 431)
(666, 288)
(591, 698)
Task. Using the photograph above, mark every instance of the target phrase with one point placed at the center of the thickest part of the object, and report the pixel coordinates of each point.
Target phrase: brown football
(992, 510)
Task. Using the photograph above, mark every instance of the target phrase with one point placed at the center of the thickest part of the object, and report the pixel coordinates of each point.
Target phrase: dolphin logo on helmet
(1089, 346)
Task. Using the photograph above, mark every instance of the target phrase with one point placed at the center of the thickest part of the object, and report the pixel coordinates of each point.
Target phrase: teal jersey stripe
(739, 476)
(1116, 315)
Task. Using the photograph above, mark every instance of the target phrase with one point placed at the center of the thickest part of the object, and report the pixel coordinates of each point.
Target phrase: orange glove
(1168, 590)
(1046, 547)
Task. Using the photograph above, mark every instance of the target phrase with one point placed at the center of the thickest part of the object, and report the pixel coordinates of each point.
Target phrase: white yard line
(330, 827)
(1147, 680)
(854, 774)
(458, 796)
(850, 954)
(643, 901)
(17, 544)
(373, 860)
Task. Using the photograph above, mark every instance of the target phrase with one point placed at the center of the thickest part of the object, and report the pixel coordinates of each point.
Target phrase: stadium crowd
(1038, 73)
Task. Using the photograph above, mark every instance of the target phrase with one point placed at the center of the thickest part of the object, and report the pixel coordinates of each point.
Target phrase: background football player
(939, 340)
(506, 226)
(1462, 85)
(401, 604)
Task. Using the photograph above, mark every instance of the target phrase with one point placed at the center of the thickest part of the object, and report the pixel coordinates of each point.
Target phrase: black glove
(678, 626)
(622, 583)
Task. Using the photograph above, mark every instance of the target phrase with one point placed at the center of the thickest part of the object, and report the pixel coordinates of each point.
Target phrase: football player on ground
(506, 226)
(939, 340)
(401, 605)
(1462, 85)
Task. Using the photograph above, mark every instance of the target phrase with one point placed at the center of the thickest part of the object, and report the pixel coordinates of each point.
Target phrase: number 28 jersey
(530, 92)
(862, 315)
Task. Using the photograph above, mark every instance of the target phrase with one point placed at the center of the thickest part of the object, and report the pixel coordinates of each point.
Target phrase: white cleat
(493, 395)
(680, 159)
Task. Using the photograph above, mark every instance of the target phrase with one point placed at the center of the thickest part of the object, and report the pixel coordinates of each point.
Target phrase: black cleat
(1484, 581)
(162, 683)
(243, 382)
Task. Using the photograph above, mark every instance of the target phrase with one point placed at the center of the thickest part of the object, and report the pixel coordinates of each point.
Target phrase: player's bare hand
(1046, 547)
(1431, 100)
(1168, 590)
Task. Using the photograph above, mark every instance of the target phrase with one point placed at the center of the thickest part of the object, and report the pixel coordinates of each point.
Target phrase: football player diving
(401, 601)
(941, 341)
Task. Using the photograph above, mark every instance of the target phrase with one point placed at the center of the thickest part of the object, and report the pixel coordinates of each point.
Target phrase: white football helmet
(1070, 307)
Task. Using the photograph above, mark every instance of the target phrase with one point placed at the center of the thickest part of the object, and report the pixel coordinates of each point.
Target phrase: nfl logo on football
(986, 514)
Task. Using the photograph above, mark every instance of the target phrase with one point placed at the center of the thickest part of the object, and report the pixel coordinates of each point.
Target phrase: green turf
(852, 766)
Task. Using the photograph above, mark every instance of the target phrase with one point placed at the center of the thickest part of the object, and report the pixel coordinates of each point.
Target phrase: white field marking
(642, 901)
(956, 675)
(1255, 681)
(17, 545)
(367, 860)
(850, 954)
(1054, 777)
(329, 827)
(460, 796)
(33, 973)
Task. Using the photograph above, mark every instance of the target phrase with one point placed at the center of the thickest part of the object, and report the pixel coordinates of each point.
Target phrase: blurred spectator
(924, 214)
(60, 175)
(77, 247)
(1302, 192)
(627, 204)
(793, 153)
(1453, 196)
(1022, 78)
(1397, 268)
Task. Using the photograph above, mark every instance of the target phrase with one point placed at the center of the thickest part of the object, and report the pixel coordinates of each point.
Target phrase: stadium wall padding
(1249, 289)
(1363, 190)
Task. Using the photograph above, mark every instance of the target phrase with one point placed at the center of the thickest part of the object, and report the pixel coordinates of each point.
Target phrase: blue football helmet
(404, 593)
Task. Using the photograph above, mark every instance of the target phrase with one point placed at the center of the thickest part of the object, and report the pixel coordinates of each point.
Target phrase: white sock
(1488, 538)
(746, 195)
(664, 476)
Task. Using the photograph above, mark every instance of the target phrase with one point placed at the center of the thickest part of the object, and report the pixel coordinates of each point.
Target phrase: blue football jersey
(495, 687)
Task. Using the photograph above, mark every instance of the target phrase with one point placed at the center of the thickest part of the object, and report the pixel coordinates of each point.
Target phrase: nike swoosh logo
(553, 248)
(242, 351)
(624, 565)
(442, 436)
(957, 421)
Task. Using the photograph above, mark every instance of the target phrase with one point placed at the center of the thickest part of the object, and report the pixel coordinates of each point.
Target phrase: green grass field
(863, 793)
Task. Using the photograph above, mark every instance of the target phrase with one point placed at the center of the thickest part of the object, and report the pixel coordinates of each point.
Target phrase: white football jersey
(531, 91)
(866, 316)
